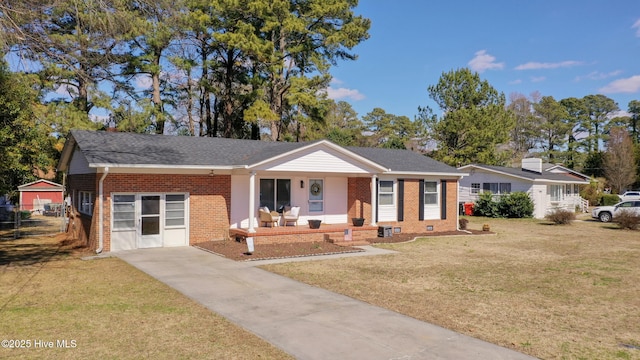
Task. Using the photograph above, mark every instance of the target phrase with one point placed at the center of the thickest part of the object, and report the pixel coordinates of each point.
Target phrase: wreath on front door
(315, 189)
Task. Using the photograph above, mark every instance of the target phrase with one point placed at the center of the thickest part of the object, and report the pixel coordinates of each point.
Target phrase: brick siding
(209, 198)
(359, 198)
(210, 206)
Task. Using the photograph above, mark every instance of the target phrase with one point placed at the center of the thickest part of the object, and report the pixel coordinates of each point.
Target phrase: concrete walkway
(304, 321)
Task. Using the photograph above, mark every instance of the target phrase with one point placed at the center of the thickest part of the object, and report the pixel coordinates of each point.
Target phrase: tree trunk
(156, 98)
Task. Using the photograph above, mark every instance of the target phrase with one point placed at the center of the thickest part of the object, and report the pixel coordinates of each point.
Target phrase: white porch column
(252, 201)
(374, 200)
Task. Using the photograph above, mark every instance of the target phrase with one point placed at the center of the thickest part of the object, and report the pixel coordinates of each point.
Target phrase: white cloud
(342, 93)
(65, 90)
(628, 85)
(620, 113)
(143, 81)
(335, 81)
(538, 65)
(596, 75)
(637, 26)
(483, 61)
(537, 79)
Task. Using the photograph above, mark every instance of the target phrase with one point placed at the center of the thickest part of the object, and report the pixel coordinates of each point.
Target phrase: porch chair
(268, 217)
(291, 215)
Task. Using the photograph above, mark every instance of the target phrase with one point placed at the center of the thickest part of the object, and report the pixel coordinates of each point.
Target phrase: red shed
(34, 195)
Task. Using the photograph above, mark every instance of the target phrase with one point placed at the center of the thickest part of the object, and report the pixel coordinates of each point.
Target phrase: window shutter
(443, 199)
(400, 199)
(421, 201)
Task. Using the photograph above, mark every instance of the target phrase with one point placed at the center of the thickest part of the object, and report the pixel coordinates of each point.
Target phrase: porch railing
(584, 205)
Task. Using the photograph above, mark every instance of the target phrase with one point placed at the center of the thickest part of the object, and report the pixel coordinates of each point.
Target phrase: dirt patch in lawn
(237, 250)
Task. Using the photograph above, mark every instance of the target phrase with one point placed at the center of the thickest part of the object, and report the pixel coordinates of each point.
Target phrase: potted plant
(314, 224)
(357, 221)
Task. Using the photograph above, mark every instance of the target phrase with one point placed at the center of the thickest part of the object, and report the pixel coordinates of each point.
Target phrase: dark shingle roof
(531, 175)
(403, 160)
(146, 149)
(117, 148)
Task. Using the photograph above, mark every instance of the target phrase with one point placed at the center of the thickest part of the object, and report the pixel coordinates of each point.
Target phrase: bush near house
(485, 206)
(590, 192)
(627, 220)
(609, 199)
(24, 215)
(514, 205)
(561, 216)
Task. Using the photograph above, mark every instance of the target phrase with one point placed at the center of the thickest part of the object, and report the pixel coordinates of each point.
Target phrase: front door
(150, 221)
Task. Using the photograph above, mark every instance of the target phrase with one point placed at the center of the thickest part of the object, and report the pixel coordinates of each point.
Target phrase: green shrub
(516, 205)
(485, 206)
(561, 216)
(24, 215)
(609, 199)
(590, 192)
(627, 220)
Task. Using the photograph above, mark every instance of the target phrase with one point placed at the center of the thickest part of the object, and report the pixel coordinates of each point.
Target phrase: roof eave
(157, 166)
(426, 173)
(497, 172)
(55, 185)
(67, 151)
(583, 182)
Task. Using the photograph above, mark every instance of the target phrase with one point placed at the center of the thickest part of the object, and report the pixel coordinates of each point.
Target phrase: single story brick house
(138, 190)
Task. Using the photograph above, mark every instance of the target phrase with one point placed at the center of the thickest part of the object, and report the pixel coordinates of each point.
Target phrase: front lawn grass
(551, 291)
(108, 308)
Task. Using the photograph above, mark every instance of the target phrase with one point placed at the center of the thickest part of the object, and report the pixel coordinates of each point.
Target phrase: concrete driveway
(304, 321)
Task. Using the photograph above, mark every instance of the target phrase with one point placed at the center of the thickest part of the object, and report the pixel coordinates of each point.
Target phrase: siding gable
(321, 159)
(79, 163)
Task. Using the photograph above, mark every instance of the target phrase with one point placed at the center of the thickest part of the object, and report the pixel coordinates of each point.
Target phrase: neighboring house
(34, 196)
(136, 191)
(559, 169)
(550, 187)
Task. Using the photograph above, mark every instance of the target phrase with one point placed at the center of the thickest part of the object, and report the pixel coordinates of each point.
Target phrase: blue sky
(562, 48)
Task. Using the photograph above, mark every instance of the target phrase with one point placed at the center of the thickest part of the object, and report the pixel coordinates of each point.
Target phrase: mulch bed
(237, 251)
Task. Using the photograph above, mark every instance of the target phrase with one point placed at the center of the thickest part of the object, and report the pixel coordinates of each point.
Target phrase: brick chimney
(532, 164)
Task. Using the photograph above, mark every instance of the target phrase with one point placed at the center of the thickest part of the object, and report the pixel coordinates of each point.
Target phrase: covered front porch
(335, 233)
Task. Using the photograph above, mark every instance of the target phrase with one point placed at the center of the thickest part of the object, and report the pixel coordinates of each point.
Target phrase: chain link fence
(16, 223)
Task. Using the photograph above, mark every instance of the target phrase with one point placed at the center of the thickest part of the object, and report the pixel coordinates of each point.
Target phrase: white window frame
(498, 188)
(114, 227)
(85, 202)
(475, 188)
(387, 194)
(167, 210)
(436, 193)
(556, 192)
